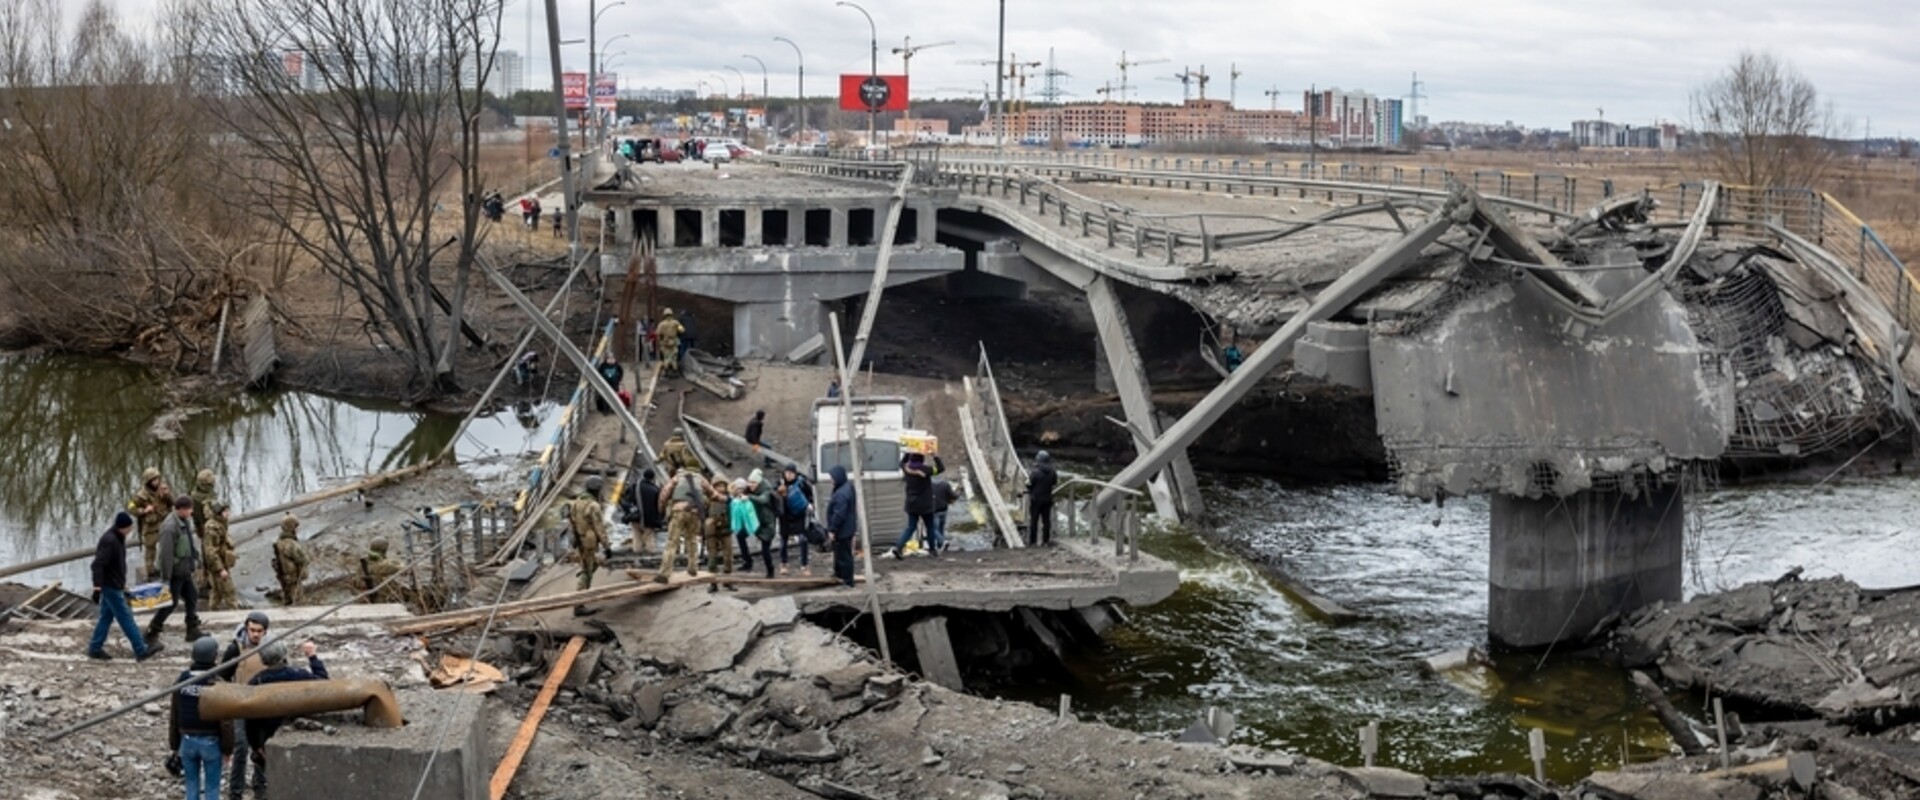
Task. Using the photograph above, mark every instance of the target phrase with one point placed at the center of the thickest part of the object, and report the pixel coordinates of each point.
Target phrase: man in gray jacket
(179, 559)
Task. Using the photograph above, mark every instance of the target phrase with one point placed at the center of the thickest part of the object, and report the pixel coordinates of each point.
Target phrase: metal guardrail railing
(565, 436)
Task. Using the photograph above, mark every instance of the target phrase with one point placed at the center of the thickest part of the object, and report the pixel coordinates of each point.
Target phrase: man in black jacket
(756, 427)
(1040, 482)
(943, 496)
(640, 509)
(110, 592)
(274, 656)
(200, 743)
(843, 523)
(795, 500)
(918, 482)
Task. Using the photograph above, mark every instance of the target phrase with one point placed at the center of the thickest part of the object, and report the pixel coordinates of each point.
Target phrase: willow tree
(1762, 123)
(355, 127)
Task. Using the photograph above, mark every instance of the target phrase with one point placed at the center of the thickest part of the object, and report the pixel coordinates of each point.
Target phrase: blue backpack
(796, 499)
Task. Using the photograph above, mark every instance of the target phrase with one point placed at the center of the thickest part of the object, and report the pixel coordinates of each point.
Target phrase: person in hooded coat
(843, 524)
(1040, 482)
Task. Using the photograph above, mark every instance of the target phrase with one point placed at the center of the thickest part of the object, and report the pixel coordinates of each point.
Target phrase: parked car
(716, 152)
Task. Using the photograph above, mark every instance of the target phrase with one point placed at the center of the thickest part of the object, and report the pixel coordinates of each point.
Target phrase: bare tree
(1763, 124)
(104, 190)
(355, 127)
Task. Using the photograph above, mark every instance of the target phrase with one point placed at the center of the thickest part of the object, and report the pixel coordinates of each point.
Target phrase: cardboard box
(149, 595)
(920, 442)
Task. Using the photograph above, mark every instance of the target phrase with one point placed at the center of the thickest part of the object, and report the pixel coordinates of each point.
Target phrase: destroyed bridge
(1575, 352)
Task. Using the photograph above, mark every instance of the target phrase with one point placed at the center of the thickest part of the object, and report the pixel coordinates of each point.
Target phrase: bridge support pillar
(663, 229)
(772, 330)
(710, 227)
(755, 227)
(927, 225)
(837, 226)
(1559, 566)
(1128, 375)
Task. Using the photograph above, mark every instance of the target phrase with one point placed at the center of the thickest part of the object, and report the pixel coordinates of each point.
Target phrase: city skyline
(1537, 64)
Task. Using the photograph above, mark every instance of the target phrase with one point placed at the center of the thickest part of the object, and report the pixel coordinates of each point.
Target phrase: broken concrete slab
(846, 682)
(389, 762)
(806, 747)
(650, 704)
(694, 631)
(1246, 757)
(1387, 782)
(935, 652)
(1671, 786)
(584, 665)
(697, 720)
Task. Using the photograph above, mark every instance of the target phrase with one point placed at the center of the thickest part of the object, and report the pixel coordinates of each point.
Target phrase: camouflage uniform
(676, 455)
(667, 335)
(376, 569)
(150, 507)
(589, 522)
(719, 536)
(220, 558)
(289, 560)
(679, 497)
(202, 495)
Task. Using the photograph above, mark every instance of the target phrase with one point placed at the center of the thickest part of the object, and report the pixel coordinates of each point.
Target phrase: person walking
(719, 535)
(610, 371)
(181, 554)
(684, 495)
(200, 743)
(220, 559)
(917, 479)
(589, 521)
(110, 593)
(943, 496)
(289, 560)
(557, 220)
(746, 521)
(796, 507)
(767, 514)
(1040, 482)
(755, 427)
(640, 510)
(246, 641)
(202, 494)
(842, 524)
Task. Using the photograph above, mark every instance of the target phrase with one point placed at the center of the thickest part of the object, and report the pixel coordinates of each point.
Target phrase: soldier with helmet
(376, 570)
(589, 520)
(667, 336)
(220, 559)
(149, 507)
(289, 560)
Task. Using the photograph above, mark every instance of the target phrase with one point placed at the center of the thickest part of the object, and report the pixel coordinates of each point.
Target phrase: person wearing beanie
(246, 640)
(274, 655)
(1040, 482)
(110, 593)
(760, 491)
(200, 743)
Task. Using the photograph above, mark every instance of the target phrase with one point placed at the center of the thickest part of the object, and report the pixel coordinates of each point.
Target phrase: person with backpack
(760, 491)
(843, 524)
(201, 744)
(755, 427)
(943, 496)
(684, 496)
(796, 505)
(640, 510)
(744, 519)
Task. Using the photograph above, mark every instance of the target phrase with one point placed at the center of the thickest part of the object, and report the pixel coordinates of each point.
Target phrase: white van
(876, 426)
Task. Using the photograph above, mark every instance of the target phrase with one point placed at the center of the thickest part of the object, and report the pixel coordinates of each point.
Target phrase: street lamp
(873, 65)
(594, 10)
(763, 75)
(743, 81)
(802, 59)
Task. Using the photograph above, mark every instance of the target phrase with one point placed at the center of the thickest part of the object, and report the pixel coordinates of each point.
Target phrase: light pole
(802, 59)
(1000, 84)
(763, 87)
(742, 78)
(873, 68)
(594, 10)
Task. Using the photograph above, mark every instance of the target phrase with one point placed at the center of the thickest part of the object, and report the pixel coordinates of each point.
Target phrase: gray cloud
(1535, 62)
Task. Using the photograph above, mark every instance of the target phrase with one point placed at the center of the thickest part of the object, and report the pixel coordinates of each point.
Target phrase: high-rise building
(508, 75)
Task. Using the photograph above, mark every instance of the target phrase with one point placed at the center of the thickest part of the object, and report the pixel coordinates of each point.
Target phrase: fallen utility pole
(859, 494)
(523, 738)
(871, 308)
(1354, 283)
(739, 440)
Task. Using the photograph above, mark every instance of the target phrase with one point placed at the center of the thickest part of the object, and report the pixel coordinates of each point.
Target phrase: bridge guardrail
(572, 418)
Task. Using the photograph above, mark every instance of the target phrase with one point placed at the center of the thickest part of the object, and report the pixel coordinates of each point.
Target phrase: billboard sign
(573, 87)
(873, 92)
(606, 91)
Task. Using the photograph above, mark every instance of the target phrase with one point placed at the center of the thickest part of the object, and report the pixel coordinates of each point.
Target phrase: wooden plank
(988, 484)
(643, 586)
(523, 738)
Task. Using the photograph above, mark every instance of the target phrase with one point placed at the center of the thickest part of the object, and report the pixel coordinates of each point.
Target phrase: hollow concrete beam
(1127, 371)
(379, 709)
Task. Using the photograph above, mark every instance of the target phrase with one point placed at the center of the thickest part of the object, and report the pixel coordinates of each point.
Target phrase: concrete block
(935, 650)
(1558, 566)
(584, 665)
(368, 762)
(1337, 353)
(1386, 782)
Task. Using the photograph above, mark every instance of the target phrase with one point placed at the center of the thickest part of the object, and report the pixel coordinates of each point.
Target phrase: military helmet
(149, 474)
(666, 312)
(378, 546)
(205, 478)
(218, 507)
(594, 484)
(289, 524)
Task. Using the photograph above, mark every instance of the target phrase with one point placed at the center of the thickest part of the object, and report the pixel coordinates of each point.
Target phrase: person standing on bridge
(640, 510)
(943, 497)
(589, 521)
(843, 520)
(918, 481)
(755, 427)
(667, 333)
(1040, 482)
(719, 535)
(181, 553)
(761, 492)
(220, 559)
(796, 507)
(610, 371)
(684, 496)
(200, 743)
(289, 560)
(150, 505)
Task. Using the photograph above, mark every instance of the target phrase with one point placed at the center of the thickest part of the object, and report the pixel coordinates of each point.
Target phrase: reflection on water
(78, 437)
(1229, 639)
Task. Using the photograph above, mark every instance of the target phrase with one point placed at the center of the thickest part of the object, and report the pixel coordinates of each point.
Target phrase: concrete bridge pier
(1560, 566)
(777, 328)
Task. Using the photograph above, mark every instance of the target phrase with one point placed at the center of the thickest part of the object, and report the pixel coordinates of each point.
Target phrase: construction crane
(1200, 77)
(1185, 78)
(1233, 84)
(1105, 91)
(906, 52)
(1126, 65)
(1273, 98)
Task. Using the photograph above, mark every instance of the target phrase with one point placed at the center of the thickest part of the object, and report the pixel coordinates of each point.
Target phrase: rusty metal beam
(379, 709)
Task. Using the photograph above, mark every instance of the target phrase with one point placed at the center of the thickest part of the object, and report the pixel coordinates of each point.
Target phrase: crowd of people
(205, 750)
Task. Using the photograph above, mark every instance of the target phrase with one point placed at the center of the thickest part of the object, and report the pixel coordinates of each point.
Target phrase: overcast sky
(1540, 63)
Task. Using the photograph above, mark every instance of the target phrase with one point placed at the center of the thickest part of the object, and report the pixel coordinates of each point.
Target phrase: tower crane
(1185, 78)
(906, 52)
(1126, 65)
(1200, 77)
(1273, 97)
(1233, 84)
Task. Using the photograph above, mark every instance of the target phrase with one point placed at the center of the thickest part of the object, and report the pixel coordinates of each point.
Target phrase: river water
(1230, 639)
(78, 435)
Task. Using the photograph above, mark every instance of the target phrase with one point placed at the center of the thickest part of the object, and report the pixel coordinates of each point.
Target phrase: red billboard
(573, 87)
(873, 92)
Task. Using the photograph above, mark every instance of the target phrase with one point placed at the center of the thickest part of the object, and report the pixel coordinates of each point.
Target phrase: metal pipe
(374, 698)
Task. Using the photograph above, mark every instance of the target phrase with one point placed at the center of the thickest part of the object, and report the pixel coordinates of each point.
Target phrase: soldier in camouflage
(149, 506)
(589, 520)
(220, 558)
(289, 560)
(376, 569)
